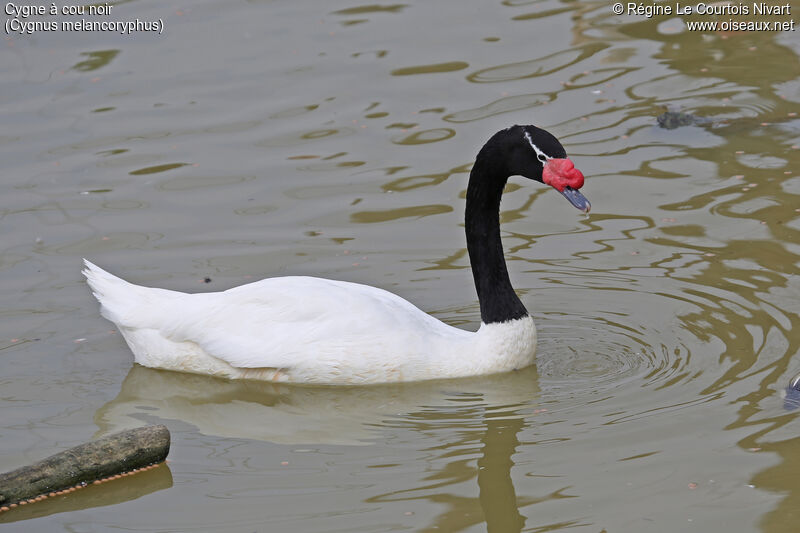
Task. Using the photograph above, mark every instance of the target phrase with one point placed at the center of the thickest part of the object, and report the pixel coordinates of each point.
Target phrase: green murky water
(261, 138)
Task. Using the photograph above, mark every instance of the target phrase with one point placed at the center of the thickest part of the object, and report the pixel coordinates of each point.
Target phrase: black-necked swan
(312, 330)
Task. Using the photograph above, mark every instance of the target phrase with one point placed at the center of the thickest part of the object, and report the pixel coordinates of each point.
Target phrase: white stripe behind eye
(539, 153)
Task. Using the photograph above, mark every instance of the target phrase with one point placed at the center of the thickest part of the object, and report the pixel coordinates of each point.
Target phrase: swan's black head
(534, 153)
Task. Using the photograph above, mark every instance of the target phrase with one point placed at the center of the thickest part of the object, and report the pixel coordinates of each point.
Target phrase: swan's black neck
(499, 302)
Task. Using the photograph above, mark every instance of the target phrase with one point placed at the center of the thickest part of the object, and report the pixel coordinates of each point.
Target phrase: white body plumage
(304, 329)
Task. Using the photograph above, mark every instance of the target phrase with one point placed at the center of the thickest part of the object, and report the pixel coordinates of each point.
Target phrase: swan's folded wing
(280, 322)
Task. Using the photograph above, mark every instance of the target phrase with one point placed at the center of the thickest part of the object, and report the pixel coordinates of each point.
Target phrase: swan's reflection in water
(451, 422)
(297, 414)
(497, 503)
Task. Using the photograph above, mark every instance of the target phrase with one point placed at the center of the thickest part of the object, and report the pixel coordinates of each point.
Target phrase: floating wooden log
(119, 454)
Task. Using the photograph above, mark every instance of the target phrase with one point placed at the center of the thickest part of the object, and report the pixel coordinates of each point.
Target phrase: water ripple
(498, 107)
(592, 356)
(536, 67)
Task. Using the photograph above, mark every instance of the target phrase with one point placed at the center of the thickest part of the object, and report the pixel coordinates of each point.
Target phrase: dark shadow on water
(95, 60)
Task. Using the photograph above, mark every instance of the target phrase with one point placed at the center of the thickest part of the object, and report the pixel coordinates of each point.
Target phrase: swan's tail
(121, 302)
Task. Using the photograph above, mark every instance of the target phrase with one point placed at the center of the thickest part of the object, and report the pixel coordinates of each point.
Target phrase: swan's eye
(542, 158)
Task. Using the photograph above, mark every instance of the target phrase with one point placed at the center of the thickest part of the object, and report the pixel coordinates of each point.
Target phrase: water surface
(259, 138)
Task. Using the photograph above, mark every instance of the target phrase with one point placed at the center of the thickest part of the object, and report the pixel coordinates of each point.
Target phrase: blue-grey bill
(577, 199)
